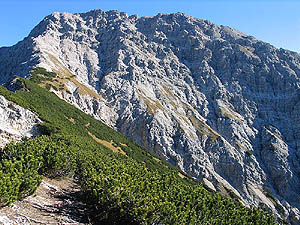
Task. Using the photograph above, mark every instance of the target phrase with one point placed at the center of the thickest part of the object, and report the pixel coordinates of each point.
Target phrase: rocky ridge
(16, 122)
(219, 104)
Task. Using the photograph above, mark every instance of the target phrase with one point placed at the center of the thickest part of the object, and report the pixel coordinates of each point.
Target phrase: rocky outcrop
(56, 201)
(16, 122)
(219, 104)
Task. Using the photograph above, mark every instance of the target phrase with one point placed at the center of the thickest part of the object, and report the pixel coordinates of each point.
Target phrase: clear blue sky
(273, 21)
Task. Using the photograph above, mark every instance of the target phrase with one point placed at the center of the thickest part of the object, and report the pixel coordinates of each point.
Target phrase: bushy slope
(131, 188)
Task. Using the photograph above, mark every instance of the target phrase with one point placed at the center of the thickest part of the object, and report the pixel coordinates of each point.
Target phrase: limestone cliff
(16, 122)
(219, 104)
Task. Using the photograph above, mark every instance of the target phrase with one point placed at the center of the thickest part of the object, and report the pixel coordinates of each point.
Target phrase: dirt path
(54, 202)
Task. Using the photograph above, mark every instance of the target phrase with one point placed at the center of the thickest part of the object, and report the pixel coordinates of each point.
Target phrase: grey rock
(16, 122)
(219, 104)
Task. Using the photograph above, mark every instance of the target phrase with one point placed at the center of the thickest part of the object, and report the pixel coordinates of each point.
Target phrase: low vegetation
(130, 188)
(39, 75)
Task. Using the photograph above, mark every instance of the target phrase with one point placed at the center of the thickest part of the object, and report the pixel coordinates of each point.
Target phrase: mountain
(220, 105)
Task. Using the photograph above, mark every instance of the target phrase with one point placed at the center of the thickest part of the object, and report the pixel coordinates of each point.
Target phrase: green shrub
(42, 71)
(48, 86)
(22, 164)
(58, 159)
(121, 189)
(131, 189)
(18, 169)
(39, 75)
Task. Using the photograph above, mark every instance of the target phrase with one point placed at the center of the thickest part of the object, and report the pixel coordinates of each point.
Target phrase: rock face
(219, 104)
(16, 122)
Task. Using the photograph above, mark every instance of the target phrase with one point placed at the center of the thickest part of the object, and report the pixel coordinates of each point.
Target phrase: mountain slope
(217, 103)
(130, 186)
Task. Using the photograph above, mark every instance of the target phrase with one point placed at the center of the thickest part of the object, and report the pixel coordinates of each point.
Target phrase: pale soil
(54, 202)
(181, 175)
(109, 145)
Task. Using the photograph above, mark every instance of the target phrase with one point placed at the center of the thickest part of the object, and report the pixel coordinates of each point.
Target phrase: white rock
(217, 103)
(16, 122)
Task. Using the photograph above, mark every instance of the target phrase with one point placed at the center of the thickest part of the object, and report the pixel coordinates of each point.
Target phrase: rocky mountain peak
(219, 104)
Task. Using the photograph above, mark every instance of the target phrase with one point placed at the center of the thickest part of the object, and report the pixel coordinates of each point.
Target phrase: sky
(274, 21)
